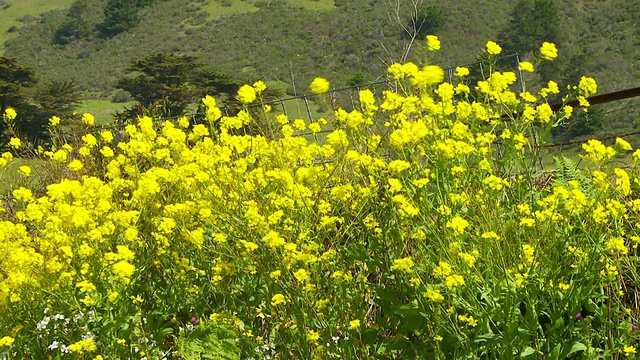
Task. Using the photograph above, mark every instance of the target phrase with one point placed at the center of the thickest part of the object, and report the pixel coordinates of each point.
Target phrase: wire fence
(311, 107)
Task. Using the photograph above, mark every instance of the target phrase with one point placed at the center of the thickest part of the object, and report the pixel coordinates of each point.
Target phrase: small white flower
(54, 345)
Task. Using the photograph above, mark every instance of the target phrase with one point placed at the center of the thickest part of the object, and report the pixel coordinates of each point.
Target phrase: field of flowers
(416, 229)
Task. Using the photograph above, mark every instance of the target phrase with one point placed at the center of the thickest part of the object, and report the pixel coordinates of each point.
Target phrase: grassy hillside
(292, 41)
(14, 14)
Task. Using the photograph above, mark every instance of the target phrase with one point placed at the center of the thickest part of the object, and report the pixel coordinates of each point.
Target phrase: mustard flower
(75, 165)
(313, 336)
(123, 270)
(15, 143)
(24, 170)
(616, 246)
(430, 74)
(587, 86)
(623, 183)
(354, 324)
(629, 350)
(442, 270)
(596, 151)
(495, 183)
(54, 121)
(259, 86)
(301, 275)
(548, 51)
(82, 346)
(88, 119)
(10, 113)
(246, 94)
(544, 112)
(433, 43)
(526, 66)
(461, 71)
(458, 225)
(337, 139)
(397, 166)
(315, 127)
(86, 286)
(278, 299)
(319, 85)
(454, 280)
(434, 295)
(299, 124)
(492, 48)
(404, 264)
(563, 286)
(623, 144)
(6, 341)
(568, 111)
(468, 319)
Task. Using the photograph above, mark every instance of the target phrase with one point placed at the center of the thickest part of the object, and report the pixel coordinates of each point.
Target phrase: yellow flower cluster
(407, 207)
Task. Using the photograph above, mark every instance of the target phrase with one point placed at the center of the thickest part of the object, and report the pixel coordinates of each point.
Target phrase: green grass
(21, 8)
(102, 110)
(217, 9)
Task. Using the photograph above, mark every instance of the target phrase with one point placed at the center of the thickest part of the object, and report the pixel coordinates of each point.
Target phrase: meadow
(417, 228)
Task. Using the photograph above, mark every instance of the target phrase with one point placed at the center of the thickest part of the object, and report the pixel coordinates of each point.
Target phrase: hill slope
(295, 40)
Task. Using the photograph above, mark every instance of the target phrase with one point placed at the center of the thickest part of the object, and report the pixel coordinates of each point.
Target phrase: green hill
(291, 41)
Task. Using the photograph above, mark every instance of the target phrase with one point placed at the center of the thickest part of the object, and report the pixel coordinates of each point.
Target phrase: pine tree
(531, 24)
(119, 16)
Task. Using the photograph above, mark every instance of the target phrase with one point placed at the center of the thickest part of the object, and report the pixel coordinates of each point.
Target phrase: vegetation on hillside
(291, 41)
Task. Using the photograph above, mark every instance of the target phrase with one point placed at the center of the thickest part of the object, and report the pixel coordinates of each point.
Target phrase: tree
(58, 98)
(76, 25)
(14, 80)
(428, 20)
(532, 23)
(209, 82)
(423, 19)
(119, 16)
(168, 83)
(161, 76)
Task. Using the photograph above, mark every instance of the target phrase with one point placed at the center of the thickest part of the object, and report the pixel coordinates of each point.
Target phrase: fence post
(306, 103)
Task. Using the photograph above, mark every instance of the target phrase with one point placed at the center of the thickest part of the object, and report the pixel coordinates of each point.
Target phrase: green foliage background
(288, 37)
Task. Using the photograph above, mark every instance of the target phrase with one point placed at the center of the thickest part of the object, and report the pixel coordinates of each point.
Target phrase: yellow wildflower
(319, 85)
(526, 66)
(278, 299)
(10, 113)
(15, 143)
(246, 94)
(548, 51)
(433, 43)
(492, 48)
(88, 119)
(7, 340)
(461, 71)
(404, 264)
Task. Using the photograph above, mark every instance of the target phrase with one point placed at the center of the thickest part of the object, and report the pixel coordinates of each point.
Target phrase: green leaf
(555, 353)
(577, 347)
(489, 338)
(528, 351)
